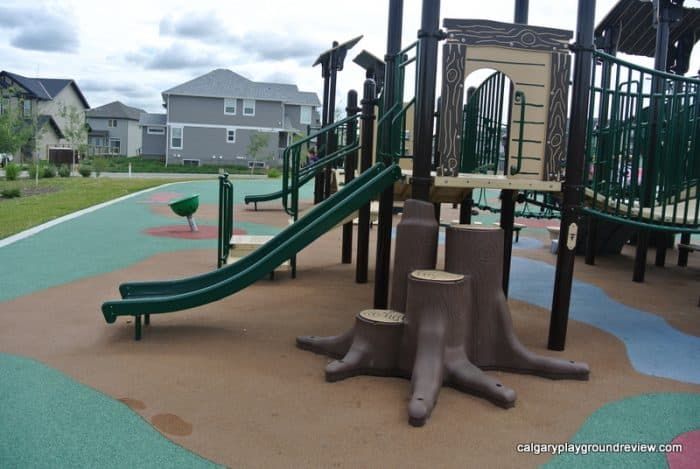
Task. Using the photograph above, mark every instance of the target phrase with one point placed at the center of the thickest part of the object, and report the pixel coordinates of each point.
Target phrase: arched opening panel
(537, 63)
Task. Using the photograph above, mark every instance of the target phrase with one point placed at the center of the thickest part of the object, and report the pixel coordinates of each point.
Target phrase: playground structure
(535, 161)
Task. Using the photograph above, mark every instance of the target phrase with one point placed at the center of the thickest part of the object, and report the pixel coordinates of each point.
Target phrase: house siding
(123, 131)
(133, 138)
(152, 146)
(204, 110)
(67, 97)
(209, 145)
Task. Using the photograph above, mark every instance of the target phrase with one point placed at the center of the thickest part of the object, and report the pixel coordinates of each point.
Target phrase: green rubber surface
(112, 238)
(649, 418)
(47, 420)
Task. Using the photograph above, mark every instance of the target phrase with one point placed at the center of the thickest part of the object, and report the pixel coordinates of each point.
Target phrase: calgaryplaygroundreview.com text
(586, 448)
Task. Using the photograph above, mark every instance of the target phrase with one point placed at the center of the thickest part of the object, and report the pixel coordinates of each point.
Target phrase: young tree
(15, 129)
(75, 128)
(258, 142)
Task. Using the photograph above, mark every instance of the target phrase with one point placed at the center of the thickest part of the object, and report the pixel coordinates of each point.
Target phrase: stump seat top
(476, 227)
(388, 316)
(436, 276)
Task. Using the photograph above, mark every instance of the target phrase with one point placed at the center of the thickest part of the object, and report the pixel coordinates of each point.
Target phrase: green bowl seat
(185, 206)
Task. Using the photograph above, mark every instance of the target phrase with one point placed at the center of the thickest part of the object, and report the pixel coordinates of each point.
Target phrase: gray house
(114, 129)
(210, 119)
(153, 130)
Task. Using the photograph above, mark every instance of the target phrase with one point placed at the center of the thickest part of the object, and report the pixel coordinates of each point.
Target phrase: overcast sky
(131, 51)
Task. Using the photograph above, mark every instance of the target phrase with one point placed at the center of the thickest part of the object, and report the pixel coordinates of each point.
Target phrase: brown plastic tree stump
(426, 345)
(416, 248)
(491, 344)
(374, 347)
(438, 310)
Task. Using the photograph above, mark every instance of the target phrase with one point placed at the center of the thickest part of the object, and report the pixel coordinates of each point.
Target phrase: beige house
(43, 98)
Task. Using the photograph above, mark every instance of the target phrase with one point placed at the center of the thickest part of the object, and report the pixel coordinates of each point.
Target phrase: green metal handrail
(642, 150)
(519, 99)
(225, 228)
(392, 119)
(293, 171)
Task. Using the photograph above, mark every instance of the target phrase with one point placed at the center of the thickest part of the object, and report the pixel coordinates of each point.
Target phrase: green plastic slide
(167, 296)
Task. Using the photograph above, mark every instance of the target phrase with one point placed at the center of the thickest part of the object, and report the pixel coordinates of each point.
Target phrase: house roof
(152, 119)
(45, 88)
(222, 83)
(115, 110)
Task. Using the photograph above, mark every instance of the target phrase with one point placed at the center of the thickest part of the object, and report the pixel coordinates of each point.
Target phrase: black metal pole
(320, 143)
(367, 142)
(522, 8)
(349, 170)
(331, 142)
(508, 196)
(428, 37)
(572, 187)
(386, 200)
(663, 28)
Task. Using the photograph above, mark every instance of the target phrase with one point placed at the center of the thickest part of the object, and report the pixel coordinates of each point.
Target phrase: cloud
(130, 89)
(278, 76)
(207, 28)
(174, 57)
(39, 29)
(272, 46)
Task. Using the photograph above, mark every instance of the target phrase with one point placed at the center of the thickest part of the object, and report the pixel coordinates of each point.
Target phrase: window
(230, 106)
(115, 146)
(248, 107)
(305, 115)
(4, 103)
(155, 130)
(190, 162)
(257, 164)
(176, 138)
(111, 122)
(27, 108)
(231, 135)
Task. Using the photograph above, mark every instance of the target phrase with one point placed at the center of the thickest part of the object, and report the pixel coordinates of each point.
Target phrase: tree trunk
(491, 344)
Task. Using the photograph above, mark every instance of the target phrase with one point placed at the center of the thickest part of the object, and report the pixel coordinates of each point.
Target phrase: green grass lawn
(56, 197)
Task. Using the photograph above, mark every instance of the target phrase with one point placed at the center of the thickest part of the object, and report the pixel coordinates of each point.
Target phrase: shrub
(64, 171)
(99, 164)
(50, 171)
(12, 171)
(32, 170)
(273, 173)
(10, 193)
(85, 171)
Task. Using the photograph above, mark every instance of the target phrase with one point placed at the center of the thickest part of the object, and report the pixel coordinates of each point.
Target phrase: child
(311, 157)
